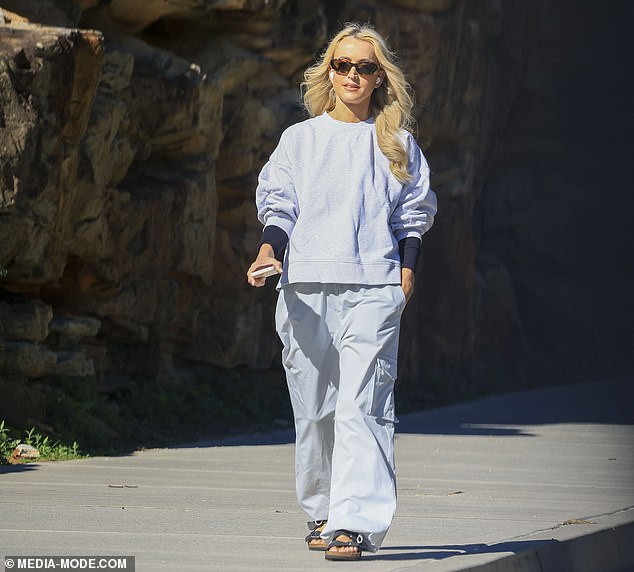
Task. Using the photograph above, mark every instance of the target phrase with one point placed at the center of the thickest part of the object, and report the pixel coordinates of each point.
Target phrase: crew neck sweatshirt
(329, 187)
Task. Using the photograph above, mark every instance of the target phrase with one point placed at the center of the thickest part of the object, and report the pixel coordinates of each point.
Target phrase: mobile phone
(264, 272)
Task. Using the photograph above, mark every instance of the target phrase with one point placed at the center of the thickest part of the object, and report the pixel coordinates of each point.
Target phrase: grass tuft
(50, 450)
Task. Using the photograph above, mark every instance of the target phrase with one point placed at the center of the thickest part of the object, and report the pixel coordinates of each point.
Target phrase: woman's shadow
(430, 552)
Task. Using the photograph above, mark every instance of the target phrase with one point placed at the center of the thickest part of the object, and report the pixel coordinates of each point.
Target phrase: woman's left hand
(407, 282)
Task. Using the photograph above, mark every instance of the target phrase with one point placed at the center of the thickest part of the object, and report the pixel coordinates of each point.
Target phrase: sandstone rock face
(131, 136)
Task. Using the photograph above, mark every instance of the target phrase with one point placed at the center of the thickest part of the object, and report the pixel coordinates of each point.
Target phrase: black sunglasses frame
(362, 68)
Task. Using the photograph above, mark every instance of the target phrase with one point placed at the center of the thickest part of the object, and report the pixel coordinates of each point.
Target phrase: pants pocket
(383, 395)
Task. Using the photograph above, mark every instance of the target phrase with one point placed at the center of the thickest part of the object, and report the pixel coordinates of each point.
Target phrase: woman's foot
(345, 546)
(315, 542)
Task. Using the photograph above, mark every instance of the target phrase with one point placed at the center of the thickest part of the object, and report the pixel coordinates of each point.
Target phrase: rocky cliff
(131, 135)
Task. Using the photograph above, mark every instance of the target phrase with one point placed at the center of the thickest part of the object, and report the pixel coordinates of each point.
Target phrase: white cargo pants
(340, 350)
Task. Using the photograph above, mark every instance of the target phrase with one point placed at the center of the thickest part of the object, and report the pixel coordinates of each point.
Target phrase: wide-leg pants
(340, 346)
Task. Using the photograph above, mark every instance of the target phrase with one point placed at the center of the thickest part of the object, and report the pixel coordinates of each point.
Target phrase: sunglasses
(343, 67)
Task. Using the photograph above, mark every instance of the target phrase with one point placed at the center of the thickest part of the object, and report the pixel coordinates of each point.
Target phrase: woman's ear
(331, 73)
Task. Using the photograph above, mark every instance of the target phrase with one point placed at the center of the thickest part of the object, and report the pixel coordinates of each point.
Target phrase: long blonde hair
(391, 102)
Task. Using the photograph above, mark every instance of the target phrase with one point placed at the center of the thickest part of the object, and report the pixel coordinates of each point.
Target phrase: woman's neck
(349, 114)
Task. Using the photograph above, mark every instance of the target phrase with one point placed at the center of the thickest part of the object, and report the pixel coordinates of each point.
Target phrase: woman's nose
(353, 72)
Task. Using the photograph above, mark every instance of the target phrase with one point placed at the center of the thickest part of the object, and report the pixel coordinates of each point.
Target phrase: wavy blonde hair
(391, 102)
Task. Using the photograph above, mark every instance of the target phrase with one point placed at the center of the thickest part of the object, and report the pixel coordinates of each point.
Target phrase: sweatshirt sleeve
(276, 238)
(275, 195)
(416, 207)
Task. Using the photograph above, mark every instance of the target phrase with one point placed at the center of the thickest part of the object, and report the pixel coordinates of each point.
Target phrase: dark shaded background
(554, 274)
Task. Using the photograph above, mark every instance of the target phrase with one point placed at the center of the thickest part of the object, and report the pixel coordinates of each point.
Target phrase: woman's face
(353, 88)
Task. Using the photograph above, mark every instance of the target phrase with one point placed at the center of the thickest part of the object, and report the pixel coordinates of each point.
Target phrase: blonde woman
(344, 200)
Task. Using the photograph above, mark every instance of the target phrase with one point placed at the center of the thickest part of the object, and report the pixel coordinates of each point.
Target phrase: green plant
(7, 443)
(49, 450)
(52, 450)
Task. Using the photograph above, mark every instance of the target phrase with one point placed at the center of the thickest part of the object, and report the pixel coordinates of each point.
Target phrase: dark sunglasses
(343, 67)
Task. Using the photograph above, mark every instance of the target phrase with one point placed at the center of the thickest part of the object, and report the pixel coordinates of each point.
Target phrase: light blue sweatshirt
(329, 187)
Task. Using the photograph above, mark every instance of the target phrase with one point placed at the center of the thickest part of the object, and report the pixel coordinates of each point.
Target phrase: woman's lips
(351, 86)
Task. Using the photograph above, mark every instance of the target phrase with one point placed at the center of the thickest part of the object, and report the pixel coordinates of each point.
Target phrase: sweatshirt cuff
(409, 251)
(280, 220)
(277, 238)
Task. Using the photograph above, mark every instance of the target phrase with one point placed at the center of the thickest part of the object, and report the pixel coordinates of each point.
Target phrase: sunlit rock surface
(131, 136)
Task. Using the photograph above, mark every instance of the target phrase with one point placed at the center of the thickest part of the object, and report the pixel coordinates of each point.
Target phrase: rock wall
(131, 135)
(553, 217)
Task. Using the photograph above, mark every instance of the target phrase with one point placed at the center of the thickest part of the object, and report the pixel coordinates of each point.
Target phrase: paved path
(482, 486)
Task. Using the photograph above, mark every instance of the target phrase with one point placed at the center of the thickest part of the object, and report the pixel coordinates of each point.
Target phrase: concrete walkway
(486, 486)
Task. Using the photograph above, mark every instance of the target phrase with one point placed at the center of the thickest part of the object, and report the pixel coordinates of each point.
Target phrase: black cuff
(409, 251)
(277, 238)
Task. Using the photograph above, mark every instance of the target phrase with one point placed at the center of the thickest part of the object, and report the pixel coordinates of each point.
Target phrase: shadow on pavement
(18, 468)
(255, 439)
(605, 402)
(397, 553)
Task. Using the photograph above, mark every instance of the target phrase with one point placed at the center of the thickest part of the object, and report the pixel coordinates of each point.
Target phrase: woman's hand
(407, 282)
(266, 257)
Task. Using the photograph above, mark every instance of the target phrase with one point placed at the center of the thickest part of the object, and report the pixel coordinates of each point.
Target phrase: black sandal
(352, 539)
(315, 541)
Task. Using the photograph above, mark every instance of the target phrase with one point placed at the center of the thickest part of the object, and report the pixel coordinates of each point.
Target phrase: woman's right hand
(266, 257)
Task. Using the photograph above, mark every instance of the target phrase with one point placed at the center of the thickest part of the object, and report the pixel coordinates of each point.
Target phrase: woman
(347, 191)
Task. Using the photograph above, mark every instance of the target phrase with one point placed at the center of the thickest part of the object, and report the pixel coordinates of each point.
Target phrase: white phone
(265, 272)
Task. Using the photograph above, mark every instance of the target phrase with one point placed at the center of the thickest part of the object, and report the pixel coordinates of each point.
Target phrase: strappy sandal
(316, 542)
(348, 539)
